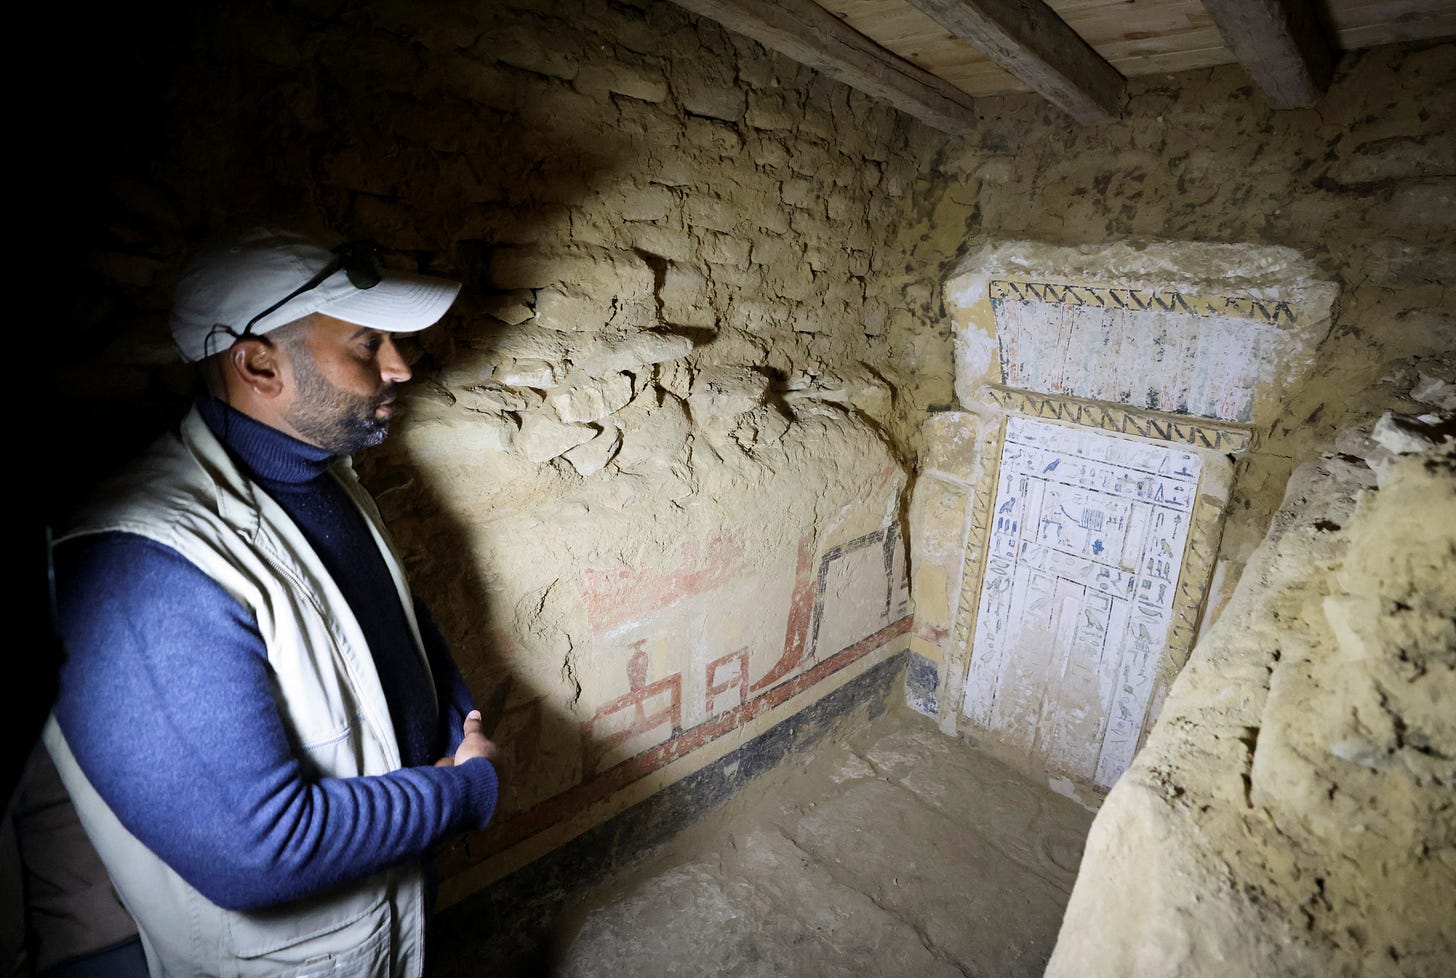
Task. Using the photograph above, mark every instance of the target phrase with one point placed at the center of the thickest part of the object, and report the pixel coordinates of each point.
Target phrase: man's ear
(257, 365)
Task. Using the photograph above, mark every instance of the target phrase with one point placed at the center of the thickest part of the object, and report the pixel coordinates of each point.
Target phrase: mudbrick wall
(652, 476)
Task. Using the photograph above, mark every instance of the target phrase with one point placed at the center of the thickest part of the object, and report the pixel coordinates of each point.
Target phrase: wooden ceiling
(930, 58)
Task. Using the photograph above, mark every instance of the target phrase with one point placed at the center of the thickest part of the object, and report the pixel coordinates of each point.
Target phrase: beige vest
(188, 495)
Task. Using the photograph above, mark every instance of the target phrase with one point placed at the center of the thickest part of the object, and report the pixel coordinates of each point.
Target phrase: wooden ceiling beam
(1281, 46)
(1029, 40)
(811, 35)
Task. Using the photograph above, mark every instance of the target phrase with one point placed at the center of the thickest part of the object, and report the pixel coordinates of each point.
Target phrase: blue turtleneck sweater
(166, 701)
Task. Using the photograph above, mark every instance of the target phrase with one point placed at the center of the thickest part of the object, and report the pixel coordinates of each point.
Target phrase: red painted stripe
(497, 837)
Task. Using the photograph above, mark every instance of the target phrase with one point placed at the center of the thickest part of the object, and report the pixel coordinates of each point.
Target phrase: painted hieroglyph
(1156, 349)
(1087, 534)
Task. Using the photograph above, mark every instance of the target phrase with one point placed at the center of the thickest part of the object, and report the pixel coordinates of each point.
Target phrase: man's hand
(473, 745)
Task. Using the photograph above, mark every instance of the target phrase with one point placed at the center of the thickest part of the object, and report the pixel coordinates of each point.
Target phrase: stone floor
(891, 851)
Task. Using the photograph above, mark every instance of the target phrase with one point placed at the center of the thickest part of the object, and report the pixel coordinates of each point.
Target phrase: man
(263, 733)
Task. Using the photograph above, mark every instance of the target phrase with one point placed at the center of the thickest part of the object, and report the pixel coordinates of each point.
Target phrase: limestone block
(630, 353)
(713, 136)
(769, 151)
(800, 193)
(637, 79)
(1348, 469)
(726, 392)
(843, 207)
(652, 430)
(949, 439)
(529, 268)
(872, 395)
(489, 85)
(1264, 824)
(543, 438)
(669, 243)
(675, 377)
(465, 368)
(591, 399)
(1403, 434)
(812, 160)
(591, 226)
(864, 391)
(875, 315)
(702, 211)
(810, 223)
(1431, 202)
(685, 296)
(811, 319)
(1392, 160)
(569, 310)
(536, 51)
(722, 249)
(758, 316)
(933, 603)
(675, 173)
(521, 344)
(495, 398)
(618, 273)
(794, 280)
(1436, 391)
(772, 219)
(939, 520)
(591, 457)
(455, 29)
(849, 290)
(774, 252)
(512, 308)
(540, 374)
(455, 439)
(488, 432)
(819, 257)
(769, 110)
(764, 425)
(743, 277)
(648, 204)
(708, 88)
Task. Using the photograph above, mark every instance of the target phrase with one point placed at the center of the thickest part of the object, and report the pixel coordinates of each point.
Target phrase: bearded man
(262, 731)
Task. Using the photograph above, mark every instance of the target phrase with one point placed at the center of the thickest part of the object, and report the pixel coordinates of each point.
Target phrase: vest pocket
(339, 944)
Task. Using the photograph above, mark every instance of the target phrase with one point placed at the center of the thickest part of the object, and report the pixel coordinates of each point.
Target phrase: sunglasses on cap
(358, 259)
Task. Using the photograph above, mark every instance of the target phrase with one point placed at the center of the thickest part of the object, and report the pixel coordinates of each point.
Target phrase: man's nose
(392, 367)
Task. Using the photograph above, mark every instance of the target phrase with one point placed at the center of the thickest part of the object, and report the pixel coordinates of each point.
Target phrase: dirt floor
(895, 851)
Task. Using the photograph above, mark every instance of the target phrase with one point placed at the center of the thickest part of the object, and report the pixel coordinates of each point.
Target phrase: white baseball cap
(264, 278)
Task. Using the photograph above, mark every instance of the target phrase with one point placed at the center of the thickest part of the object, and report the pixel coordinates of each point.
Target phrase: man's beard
(335, 420)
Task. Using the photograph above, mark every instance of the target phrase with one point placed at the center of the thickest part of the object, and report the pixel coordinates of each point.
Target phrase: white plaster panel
(1086, 545)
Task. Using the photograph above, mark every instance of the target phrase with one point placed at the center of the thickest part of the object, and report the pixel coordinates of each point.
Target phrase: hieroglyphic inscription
(649, 712)
(1078, 596)
(1155, 349)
